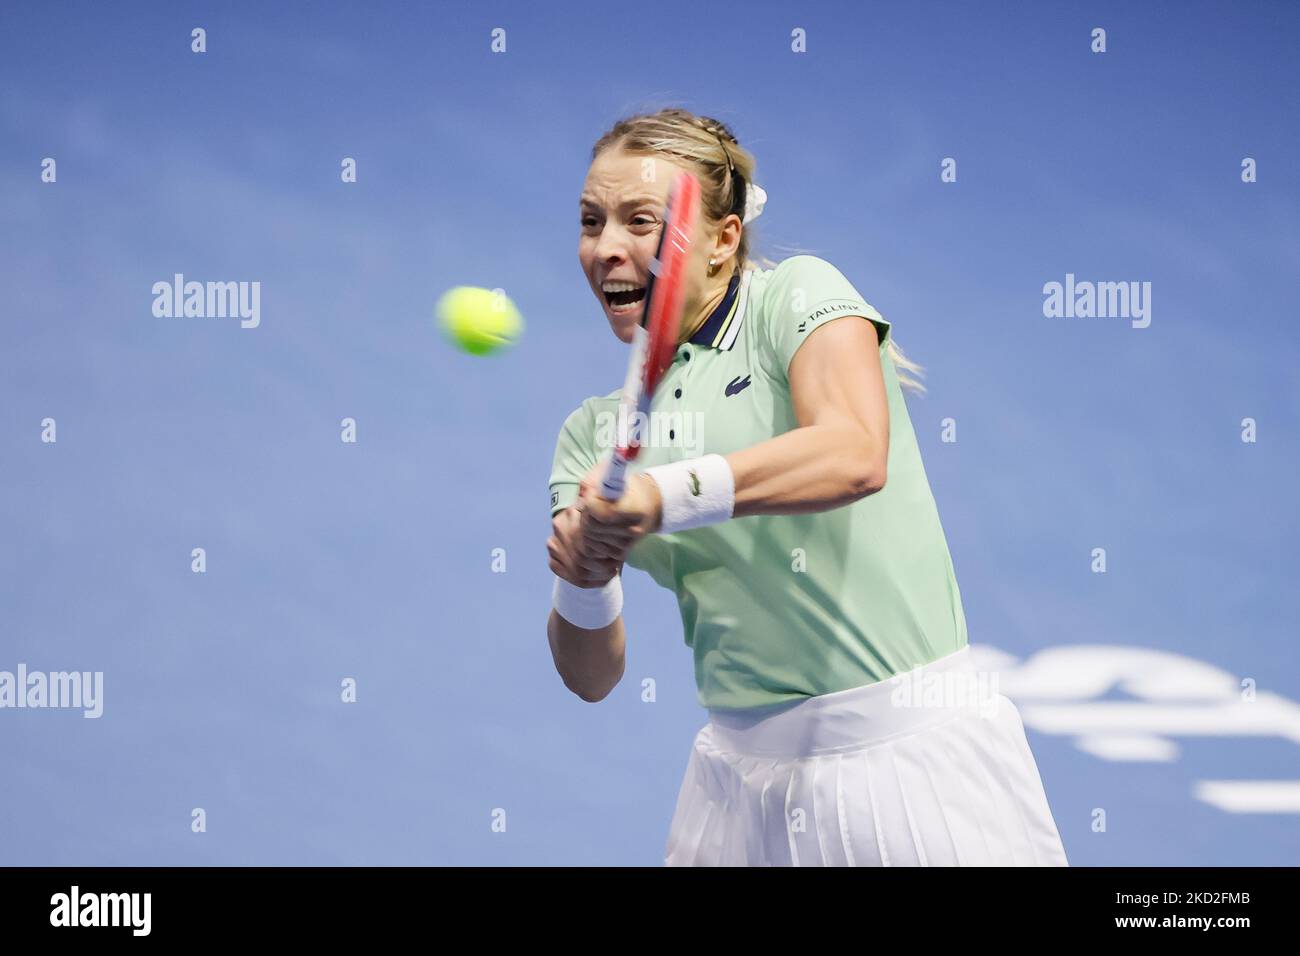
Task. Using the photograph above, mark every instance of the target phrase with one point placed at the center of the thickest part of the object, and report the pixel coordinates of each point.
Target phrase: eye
(588, 221)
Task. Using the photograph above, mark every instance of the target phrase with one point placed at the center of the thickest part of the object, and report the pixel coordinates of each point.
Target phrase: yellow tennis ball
(480, 321)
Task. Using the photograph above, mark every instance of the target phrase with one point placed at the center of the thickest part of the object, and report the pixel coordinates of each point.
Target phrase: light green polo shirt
(778, 608)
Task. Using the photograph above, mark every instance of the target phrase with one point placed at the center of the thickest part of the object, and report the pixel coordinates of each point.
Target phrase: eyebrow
(637, 201)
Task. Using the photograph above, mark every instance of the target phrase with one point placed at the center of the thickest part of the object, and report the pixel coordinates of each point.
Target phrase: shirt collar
(720, 329)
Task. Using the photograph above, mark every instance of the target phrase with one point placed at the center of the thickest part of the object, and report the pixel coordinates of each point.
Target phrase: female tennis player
(786, 506)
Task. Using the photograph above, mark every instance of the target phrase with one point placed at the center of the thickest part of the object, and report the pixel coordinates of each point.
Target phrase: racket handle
(615, 480)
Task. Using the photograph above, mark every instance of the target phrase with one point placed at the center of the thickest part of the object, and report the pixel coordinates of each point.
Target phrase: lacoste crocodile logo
(737, 385)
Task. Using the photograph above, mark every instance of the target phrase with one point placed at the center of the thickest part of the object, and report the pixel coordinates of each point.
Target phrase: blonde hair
(712, 151)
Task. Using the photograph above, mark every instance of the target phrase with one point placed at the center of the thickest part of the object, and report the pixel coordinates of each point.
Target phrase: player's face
(622, 214)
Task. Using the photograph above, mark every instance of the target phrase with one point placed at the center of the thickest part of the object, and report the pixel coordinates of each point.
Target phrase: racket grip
(615, 480)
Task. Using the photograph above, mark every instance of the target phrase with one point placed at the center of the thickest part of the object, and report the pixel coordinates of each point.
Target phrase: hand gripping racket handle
(615, 481)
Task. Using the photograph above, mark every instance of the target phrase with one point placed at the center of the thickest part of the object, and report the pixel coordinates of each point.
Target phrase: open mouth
(624, 301)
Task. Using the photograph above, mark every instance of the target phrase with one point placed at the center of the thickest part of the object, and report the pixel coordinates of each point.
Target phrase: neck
(712, 297)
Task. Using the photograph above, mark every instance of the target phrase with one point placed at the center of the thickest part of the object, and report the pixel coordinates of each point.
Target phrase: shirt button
(677, 394)
(686, 356)
(672, 433)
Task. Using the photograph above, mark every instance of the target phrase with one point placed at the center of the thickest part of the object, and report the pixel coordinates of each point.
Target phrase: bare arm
(589, 661)
(839, 451)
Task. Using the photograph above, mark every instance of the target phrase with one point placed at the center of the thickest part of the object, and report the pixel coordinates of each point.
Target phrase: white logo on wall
(1164, 696)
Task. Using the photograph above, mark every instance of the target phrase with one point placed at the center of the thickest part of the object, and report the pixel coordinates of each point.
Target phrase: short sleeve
(574, 457)
(804, 293)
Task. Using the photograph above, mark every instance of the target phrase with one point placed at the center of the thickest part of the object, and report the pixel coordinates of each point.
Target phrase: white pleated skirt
(930, 768)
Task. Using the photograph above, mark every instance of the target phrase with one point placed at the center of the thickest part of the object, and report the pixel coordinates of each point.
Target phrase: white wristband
(588, 608)
(695, 492)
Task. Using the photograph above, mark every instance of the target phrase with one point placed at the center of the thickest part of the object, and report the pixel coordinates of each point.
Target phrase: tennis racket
(655, 337)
